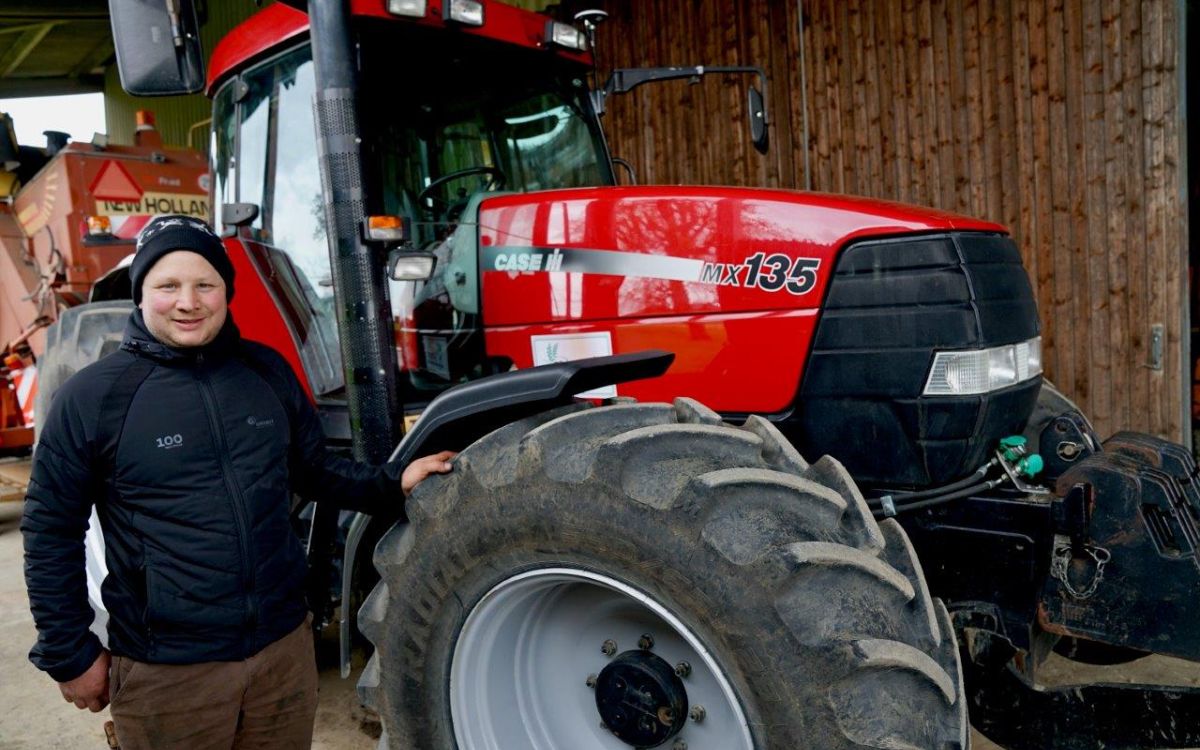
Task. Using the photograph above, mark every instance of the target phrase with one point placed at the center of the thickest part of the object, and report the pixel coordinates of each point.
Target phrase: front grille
(890, 305)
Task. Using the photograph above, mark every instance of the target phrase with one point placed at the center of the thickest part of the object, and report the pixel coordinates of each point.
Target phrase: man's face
(183, 300)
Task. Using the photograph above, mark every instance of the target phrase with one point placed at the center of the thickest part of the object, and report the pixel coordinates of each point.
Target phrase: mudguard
(467, 412)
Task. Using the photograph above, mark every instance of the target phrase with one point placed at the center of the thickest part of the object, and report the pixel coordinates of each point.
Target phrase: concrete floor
(35, 717)
(1152, 670)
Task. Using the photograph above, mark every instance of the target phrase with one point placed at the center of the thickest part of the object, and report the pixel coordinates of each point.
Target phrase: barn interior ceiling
(50, 47)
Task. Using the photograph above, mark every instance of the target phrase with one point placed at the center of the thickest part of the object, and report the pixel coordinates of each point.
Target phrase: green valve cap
(1031, 466)
(1013, 447)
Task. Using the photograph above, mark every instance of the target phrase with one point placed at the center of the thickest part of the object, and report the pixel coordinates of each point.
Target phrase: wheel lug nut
(591, 681)
(697, 713)
(646, 642)
(609, 647)
(683, 669)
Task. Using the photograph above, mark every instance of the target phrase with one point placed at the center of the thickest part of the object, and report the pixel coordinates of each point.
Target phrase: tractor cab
(492, 116)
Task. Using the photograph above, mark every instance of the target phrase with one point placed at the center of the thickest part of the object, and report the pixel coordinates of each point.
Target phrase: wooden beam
(12, 88)
(23, 28)
(23, 46)
(46, 10)
(95, 57)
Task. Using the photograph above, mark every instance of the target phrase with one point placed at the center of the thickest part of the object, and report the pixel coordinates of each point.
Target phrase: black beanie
(171, 232)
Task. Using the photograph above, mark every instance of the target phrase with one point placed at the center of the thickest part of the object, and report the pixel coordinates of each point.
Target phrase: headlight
(984, 370)
(411, 266)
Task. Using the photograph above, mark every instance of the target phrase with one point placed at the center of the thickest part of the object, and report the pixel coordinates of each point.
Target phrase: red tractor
(422, 210)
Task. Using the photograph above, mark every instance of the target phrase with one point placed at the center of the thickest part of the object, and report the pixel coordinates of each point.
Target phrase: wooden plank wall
(1056, 118)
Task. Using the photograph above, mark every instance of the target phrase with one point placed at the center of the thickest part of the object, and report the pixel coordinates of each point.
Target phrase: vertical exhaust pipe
(359, 284)
(363, 315)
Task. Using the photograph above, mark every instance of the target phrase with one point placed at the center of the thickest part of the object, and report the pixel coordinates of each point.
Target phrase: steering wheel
(497, 181)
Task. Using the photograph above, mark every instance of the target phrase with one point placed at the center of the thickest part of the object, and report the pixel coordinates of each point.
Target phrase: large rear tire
(81, 336)
(803, 623)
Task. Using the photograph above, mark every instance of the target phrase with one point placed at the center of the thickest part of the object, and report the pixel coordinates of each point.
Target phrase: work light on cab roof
(410, 8)
(466, 12)
(566, 36)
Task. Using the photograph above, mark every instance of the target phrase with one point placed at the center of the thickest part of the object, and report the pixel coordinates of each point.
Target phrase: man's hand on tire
(414, 473)
(90, 689)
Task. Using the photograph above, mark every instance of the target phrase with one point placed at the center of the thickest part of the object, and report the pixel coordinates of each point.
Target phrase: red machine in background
(69, 214)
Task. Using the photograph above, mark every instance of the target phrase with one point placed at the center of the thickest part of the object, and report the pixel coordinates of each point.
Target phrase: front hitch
(1125, 565)
(1124, 570)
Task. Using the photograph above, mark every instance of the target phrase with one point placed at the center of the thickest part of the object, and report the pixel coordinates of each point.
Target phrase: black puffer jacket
(203, 564)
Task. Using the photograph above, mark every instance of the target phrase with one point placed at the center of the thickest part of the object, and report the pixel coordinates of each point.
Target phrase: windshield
(471, 120)
(434, 135)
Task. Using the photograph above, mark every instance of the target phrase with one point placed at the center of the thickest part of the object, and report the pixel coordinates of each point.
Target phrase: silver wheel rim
(518, 676)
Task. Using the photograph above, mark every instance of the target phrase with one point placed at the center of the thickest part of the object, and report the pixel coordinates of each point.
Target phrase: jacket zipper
(235, 496)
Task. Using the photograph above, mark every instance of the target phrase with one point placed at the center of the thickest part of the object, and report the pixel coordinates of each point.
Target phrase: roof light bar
(466, 12)
(410, 8)
(565, 35)
(984, 370)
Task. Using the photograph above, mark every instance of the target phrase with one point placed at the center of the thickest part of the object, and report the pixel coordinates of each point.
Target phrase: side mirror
(758, 121)
(235, 215)
(407, 265)
(158, 46)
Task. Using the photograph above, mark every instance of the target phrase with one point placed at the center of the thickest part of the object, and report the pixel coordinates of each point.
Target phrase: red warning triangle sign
(113, 183)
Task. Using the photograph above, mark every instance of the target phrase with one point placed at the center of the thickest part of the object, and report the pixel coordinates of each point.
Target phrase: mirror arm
(177, 33)
(624, 80)
(628, 167)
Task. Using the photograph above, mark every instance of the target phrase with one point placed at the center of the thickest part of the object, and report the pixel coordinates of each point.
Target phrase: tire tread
(791, 540)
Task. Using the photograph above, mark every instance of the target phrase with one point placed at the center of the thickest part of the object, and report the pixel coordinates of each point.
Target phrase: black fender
(467, 412)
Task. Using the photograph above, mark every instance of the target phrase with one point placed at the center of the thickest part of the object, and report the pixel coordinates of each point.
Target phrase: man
(189, 441)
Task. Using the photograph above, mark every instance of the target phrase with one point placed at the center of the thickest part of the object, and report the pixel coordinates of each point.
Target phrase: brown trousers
(265, 702)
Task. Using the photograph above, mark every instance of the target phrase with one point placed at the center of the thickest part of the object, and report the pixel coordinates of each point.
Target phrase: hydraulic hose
(967, 481)
(880, 509)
